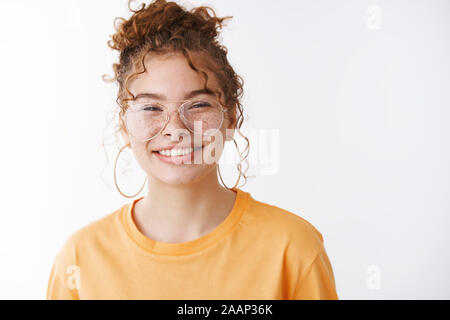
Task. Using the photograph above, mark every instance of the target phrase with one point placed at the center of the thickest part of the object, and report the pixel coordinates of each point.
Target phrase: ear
(124, 132)
(231, 128)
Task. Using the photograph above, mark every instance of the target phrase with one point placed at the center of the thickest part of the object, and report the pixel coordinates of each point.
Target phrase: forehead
(170, 75)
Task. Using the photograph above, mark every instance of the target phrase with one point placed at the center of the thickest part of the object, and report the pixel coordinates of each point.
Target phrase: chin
(178, 177)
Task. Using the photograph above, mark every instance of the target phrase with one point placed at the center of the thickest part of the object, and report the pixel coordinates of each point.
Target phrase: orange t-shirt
(258, 252)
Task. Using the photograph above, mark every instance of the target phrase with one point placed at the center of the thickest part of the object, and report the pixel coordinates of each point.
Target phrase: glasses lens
(145, 121)
(203, 116)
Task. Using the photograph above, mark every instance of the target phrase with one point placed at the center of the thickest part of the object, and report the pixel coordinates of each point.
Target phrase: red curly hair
(163, 27)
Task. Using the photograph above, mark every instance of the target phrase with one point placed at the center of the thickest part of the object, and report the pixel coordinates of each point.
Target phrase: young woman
(189, 237)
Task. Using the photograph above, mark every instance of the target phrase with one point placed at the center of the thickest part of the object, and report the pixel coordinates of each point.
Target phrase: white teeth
(176, 152)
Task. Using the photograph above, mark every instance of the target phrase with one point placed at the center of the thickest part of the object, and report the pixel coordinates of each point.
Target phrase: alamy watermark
(373, 280)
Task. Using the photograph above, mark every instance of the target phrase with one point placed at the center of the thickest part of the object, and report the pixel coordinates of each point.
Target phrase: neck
(179, 213)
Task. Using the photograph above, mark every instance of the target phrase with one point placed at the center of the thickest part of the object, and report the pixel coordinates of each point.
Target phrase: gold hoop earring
(240, 174)
(115, 179)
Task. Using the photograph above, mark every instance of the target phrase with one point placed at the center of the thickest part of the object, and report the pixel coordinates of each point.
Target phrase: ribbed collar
(164, 248)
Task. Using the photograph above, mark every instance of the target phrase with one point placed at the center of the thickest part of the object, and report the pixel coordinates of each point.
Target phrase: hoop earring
(240, 174)
(115, 179)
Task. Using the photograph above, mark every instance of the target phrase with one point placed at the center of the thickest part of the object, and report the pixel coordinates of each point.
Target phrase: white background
(359, 94)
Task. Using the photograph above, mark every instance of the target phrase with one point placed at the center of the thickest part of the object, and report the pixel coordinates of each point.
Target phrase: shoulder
(95, 233)
(287, 226)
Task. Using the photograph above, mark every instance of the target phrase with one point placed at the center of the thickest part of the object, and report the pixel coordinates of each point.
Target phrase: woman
(189, 237)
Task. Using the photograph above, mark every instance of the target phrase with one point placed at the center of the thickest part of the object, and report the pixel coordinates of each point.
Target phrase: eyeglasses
(145, 120)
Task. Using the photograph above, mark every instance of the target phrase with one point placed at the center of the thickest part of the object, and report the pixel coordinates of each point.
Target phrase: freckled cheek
(142, 152)
(214, 147)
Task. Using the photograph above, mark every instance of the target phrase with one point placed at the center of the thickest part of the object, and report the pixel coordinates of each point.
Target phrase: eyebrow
(188, 95)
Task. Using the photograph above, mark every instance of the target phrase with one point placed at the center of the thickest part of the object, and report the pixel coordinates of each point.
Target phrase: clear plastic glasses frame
(180, 112)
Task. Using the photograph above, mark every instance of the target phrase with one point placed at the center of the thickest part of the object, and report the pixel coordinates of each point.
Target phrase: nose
(175, 127)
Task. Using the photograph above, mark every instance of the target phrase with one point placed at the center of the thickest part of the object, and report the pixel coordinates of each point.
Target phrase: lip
(187, 158)
(174, 146)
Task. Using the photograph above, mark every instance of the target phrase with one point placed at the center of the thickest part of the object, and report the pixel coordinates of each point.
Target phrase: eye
(198, 105)
(151, 107)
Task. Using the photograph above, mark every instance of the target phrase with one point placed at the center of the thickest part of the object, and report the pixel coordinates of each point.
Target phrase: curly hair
(164, 27)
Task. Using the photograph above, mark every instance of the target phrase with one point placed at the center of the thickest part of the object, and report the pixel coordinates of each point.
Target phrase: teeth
(176, 152)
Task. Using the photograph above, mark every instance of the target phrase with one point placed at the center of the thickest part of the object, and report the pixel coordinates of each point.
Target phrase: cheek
(141, 153)
(214, 148)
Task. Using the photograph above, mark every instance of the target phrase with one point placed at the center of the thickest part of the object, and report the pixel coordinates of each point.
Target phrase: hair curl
(164, 27)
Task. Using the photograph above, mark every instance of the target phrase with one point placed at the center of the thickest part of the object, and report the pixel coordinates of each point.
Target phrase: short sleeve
(318, 282)
(63, 282)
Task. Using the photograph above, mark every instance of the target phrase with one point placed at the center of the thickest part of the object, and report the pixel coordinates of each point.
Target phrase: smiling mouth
(177, 152)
